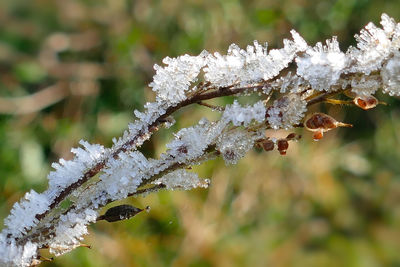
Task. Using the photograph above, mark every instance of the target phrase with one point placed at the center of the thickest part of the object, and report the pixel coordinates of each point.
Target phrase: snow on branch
(287, 81)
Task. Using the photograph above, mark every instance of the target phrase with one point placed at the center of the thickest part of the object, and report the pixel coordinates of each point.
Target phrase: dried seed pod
(268, 145)
(320, 123)
(283, 145)
(119, 213)
(324, 122)
(291, 136)
(365, 102)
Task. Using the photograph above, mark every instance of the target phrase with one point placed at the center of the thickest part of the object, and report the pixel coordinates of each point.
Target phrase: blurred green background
(76, 69)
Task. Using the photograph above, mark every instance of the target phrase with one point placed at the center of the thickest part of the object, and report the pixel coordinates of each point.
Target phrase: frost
(234, 144)
(322, 65)
(286, 112)
(70, 231)
(139, 129)
(191, 142)
(14, 255)
(388, 24)
(172, 82)
(374, 45)
(123, 174)
(391, 76)
(68, 172)
(239, 115)
(289, 83)
(182, 179)
(253, 64)
(22, 216)
(364, 86)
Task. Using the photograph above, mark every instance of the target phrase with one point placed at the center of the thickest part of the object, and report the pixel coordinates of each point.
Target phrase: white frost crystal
(289, 83)
(182, 179)
(191, 142)
(239, 115)
(123, 174)
(13, 255)
(68, 172)
(172, 82)
(252, 65)
(286, 112)
(22, 216)
(322, 65)
(374, 45)
(234, 144)
(70, 230)
(391, 76)
(364, 86)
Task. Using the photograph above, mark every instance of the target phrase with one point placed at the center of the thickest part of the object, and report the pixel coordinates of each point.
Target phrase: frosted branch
(287, 82)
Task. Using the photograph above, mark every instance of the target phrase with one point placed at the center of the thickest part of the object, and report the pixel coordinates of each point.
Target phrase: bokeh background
(76, 69)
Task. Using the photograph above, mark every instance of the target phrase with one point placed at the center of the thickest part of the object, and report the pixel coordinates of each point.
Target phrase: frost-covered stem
(47, 231)
(131, 144)
(209, 153)
(295, 77)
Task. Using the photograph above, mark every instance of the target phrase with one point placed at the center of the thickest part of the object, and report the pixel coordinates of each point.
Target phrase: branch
(98, 176)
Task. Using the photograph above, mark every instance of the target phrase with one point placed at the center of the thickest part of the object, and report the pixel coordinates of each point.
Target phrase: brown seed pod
(291, 136)
(366, 102)
(283, 145)
(118, 213)
(268, 145)
(320, 123)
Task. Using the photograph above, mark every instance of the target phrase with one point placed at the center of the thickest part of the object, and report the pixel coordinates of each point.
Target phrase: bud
(365, 102)
(320, 123)
(291, 136)
(119, 213)
(268, 145)
(282, 146)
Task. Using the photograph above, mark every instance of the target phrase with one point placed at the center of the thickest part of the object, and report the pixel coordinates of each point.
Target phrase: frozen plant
(287, 82)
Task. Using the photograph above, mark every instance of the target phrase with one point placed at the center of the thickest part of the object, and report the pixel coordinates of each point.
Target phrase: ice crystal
(388, 24)
(70, 231)
(191, 142)
(374, 45)
(122, 175)
(322, 65)
(239, 115)
(172, 81)
(68, 172)
(286, 112)
(234, 144)
(391, 76)
(251, 65)
(289, 83)
(22, 216)
(139, 129)
(182, 179)
(14, 255)
(364, 86)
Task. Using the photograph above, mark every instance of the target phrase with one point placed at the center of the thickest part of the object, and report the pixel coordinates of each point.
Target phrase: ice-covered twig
(288, 80)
